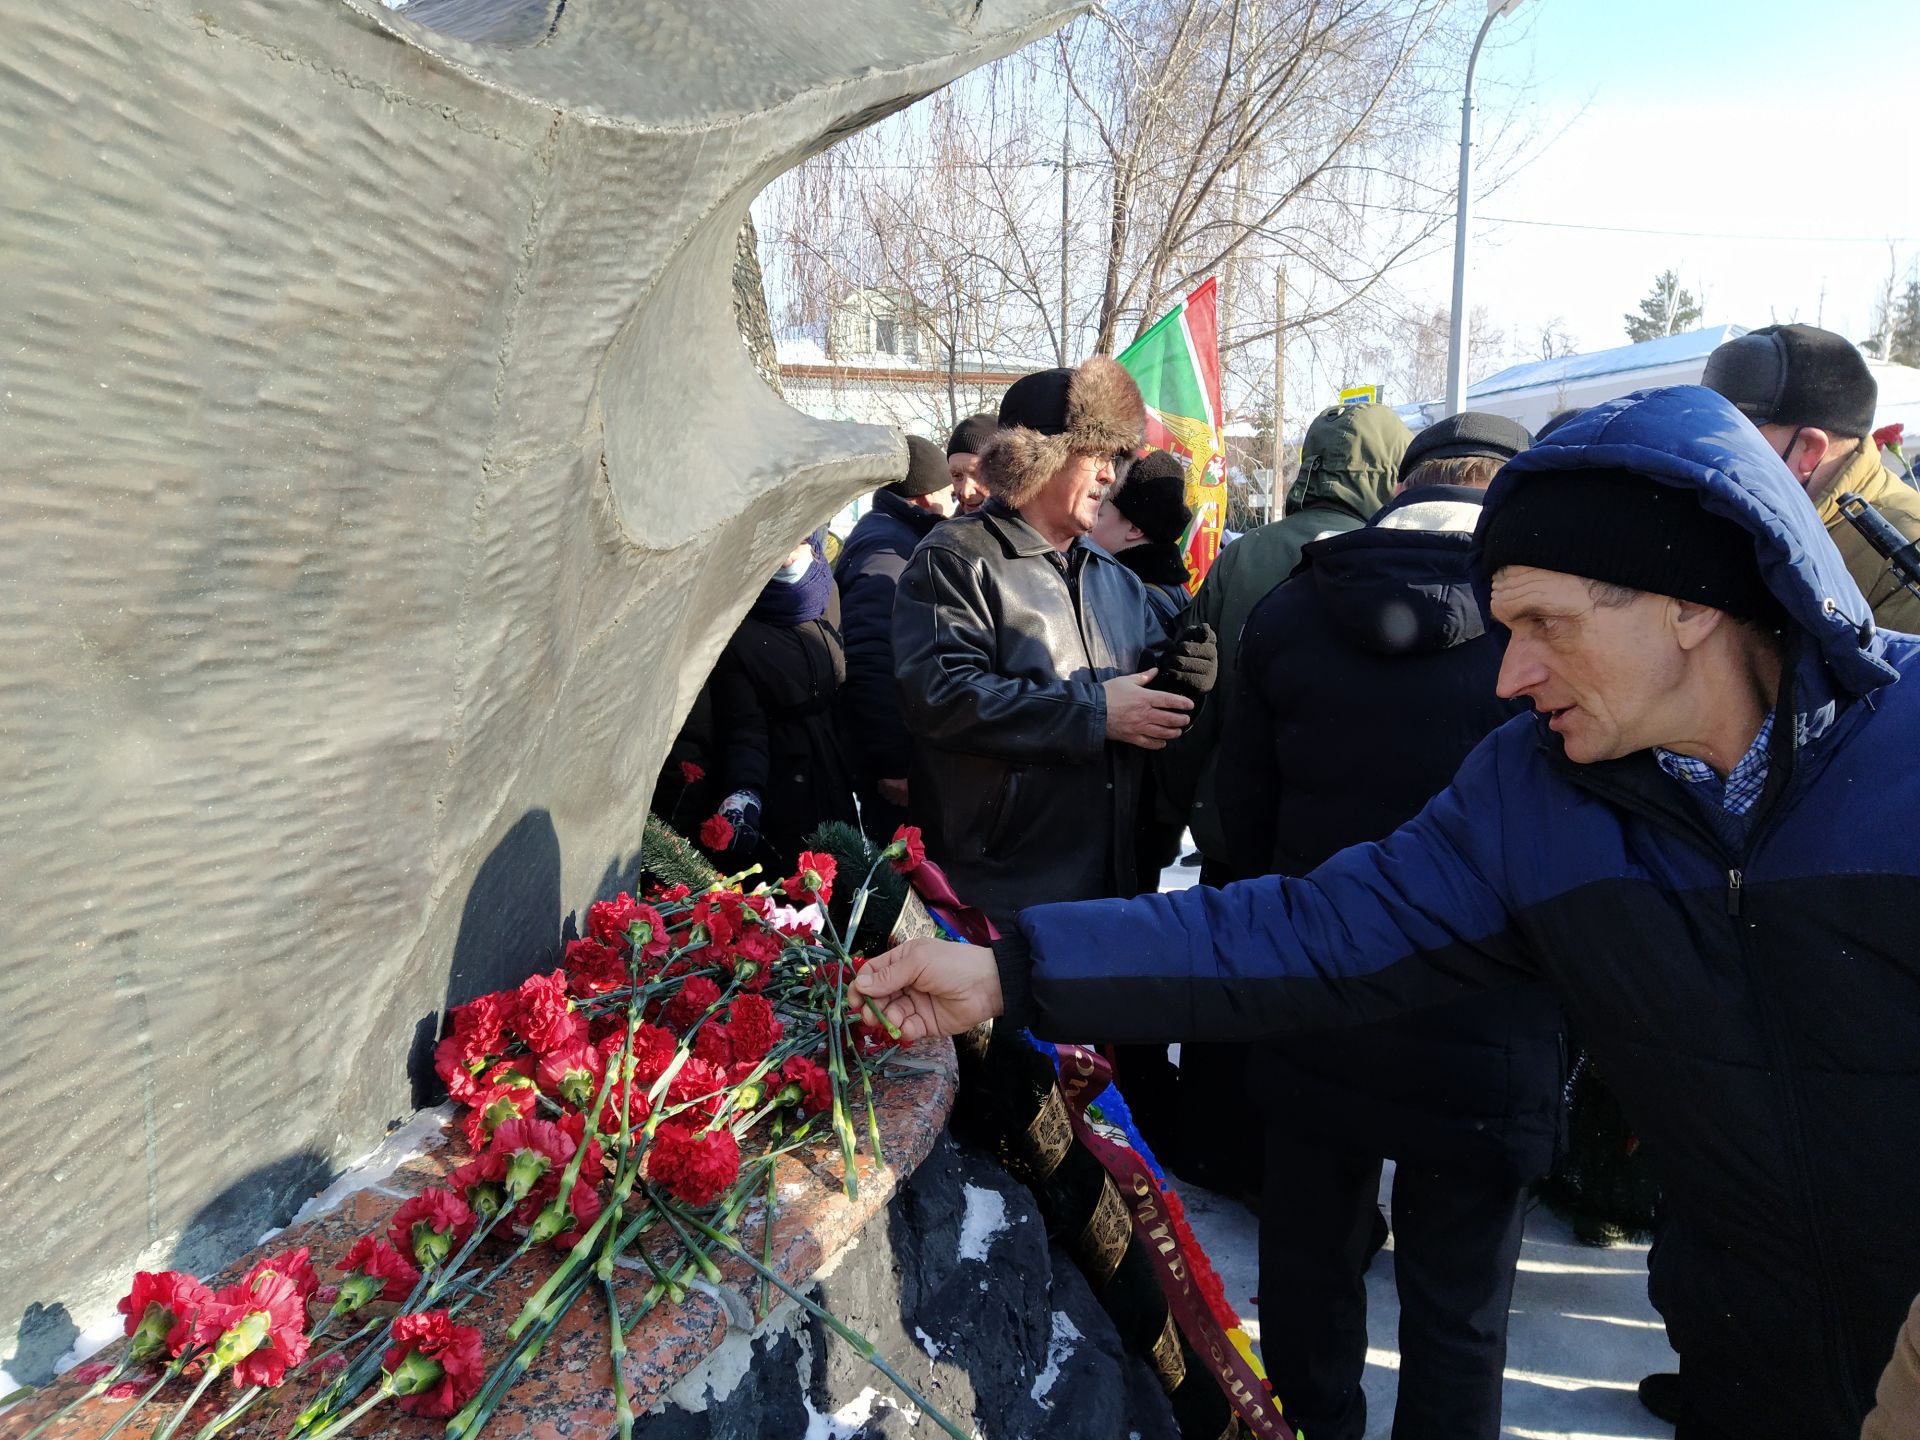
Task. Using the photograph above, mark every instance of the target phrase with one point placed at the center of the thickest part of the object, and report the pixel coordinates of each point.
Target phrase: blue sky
(1777, 144)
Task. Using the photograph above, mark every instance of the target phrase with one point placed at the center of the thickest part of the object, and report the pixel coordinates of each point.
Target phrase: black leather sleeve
(945, 649)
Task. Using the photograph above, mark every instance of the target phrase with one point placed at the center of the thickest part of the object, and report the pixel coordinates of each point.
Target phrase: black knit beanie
(926, 470)
(970, 436)
(1624, 529)
(1154, 496)
(1796, 375)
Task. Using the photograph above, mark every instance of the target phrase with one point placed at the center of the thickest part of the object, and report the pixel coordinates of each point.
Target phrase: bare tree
(1222, 137)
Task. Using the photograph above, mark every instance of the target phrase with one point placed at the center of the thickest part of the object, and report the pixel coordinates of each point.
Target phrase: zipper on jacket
(1734, 881)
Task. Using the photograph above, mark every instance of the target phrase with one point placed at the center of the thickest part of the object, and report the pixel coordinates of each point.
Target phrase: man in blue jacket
(1701, 839)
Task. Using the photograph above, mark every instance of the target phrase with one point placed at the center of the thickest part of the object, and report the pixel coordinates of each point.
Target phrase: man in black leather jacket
(1025, 658)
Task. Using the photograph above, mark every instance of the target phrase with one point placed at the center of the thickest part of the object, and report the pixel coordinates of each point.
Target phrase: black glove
(1188, 664)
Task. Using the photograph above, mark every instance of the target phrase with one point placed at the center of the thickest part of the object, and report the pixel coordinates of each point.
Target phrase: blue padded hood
(1688, 436)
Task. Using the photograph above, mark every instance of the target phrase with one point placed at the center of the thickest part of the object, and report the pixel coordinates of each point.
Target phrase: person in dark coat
(1364, 681)
(779, 757)
(876, 740)
(1140, 524)
(1701, 838)
(1022, 652)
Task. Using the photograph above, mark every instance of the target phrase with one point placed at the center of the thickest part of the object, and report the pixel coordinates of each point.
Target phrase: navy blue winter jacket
(1757, 1011)
(868, 572)
(1364, 681)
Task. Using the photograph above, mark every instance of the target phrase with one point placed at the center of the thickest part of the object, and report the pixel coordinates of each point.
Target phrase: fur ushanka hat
(1047, 417)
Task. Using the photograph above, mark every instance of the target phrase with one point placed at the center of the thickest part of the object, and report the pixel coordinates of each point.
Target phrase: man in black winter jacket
(876, 740)
(1022, 655)
(1364, 681)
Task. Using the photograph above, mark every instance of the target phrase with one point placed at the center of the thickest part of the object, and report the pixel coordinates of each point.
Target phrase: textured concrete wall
(383, 471)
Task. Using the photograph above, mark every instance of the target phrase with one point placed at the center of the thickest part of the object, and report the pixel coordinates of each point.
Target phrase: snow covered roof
(1647, 355)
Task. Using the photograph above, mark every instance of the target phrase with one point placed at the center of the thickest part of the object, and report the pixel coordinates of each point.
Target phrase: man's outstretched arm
(1379, 930)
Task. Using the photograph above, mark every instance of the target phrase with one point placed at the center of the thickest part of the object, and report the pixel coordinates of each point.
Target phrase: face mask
(793, 574)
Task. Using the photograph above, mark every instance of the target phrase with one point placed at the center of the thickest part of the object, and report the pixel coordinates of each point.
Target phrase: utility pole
(1279, 387)
(1066, 172)
(1462, 221)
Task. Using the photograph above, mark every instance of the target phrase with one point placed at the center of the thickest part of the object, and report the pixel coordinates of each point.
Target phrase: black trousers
(1456, 1241)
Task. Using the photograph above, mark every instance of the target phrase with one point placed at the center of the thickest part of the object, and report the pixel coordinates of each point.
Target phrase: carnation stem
(135, 1408)
(232, 1413)
(334, 1427)
(166, 1431)
(617, 1353)
(92, 1392)
(863, 1346)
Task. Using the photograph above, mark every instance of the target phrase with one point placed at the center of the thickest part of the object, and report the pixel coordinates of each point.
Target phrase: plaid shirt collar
(1744, 782)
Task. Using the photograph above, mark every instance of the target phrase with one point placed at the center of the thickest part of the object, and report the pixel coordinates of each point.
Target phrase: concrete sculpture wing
(384, 471)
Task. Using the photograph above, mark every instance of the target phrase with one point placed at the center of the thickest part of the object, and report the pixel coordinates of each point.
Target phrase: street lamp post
(1459, 322)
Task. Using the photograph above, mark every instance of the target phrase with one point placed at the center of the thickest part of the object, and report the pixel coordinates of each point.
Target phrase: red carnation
(814, 1084)
(377, 1260)
(750, 960)
(160, 1310)
(907, 853)
(653, 1050)
(695, 1169)
(296, 1265)
(634, 1093)
(257, 1332)
(696, 997)
(608, 920)
(493, 1107)
(717, 917)
(697, 1083)
(574, 1127)
(668, 894)
(481, 1022)
(430, 1226)
(752, 1027)
(436, 1365)
(451, 1065)
(1890, 436)
(572, 1074)
(691, 773)
(529, 1151)
(543, 1014)
(716, 832)
(478, 1183)
(812, 878)
(713, 1045)
(594, 968)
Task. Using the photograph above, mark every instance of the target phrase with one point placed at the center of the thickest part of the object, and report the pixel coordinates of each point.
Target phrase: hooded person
(778, 755)
(1811, 395)
(1021, 654)
(877, 745)
(1700, 840)
(1349, 464)
(1140, 525)
(1365, 680)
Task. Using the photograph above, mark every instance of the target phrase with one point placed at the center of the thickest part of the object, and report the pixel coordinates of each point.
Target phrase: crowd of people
(1497, 738)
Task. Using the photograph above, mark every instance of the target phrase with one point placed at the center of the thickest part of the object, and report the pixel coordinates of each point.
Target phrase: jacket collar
(1864, 475)
(1016, 536)
(897, 507)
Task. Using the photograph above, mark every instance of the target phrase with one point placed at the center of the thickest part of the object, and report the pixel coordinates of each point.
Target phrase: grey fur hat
(1049, 416)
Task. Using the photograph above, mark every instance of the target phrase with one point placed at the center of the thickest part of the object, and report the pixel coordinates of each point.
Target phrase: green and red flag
(1177, 365)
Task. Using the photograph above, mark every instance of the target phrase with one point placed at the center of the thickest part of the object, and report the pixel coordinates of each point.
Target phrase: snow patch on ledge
(1059, 1347)
(986, 1217)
